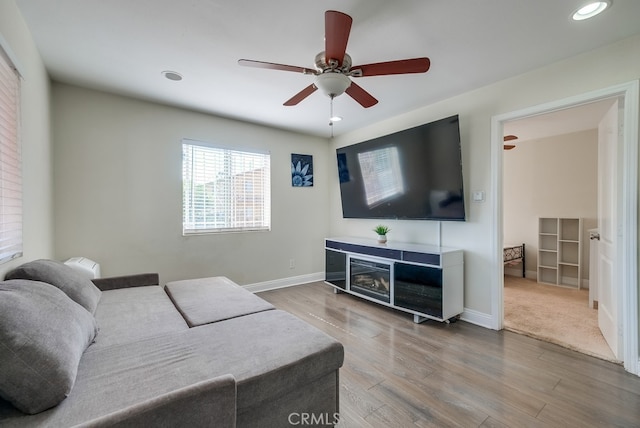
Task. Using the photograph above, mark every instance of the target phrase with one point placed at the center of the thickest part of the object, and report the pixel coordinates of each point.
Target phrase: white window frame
(11, 213)
(216, 197)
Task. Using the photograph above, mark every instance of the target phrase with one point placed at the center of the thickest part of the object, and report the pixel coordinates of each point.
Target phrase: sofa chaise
(126, 351)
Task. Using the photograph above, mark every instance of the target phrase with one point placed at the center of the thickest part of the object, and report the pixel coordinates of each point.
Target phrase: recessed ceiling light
(172, 75)
(335, 119)
(590, 10)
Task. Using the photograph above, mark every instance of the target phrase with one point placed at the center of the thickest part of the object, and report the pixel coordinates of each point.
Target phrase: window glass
(224, 190)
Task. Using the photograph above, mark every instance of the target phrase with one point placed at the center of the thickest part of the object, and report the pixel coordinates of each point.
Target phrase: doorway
(550, 172)
(626, 266)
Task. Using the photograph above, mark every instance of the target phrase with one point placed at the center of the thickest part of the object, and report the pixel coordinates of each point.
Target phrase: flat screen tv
(415, 174)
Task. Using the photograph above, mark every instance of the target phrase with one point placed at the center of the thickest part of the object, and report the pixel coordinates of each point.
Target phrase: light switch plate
(478, 196)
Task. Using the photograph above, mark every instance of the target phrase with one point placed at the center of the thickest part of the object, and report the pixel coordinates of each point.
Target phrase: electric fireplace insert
(371, 279)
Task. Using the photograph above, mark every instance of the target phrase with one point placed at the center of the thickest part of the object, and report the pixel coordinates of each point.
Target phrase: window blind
(224, 190)
(10, 162)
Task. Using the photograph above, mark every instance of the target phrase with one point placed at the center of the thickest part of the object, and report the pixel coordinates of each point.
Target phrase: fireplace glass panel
(370, 279)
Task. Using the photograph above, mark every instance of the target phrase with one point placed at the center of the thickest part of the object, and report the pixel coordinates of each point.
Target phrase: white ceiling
(565, 121)
(122, 46)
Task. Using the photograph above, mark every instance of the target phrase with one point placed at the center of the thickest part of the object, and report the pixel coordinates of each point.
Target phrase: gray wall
(37, 175)
(550, 177)
(117, 175)
(118, 192)
(598, 69)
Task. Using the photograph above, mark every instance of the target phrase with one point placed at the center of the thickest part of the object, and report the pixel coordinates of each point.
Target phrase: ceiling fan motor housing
(322, 65)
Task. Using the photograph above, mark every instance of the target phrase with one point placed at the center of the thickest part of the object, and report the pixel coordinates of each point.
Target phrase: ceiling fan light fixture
(590, 10)
(332, 84)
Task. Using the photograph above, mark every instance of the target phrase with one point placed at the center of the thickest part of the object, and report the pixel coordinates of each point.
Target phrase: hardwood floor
(400, 374)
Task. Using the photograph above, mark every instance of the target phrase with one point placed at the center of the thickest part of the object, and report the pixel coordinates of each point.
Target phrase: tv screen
(412, 174)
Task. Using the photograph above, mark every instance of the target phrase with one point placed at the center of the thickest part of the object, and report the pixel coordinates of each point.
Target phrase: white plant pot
(382, 239)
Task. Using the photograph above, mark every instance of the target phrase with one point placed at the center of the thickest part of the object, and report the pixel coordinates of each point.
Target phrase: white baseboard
(284, 282)
(477, 318)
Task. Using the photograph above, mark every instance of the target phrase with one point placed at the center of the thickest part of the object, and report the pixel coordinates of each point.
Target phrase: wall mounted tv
(415, 174)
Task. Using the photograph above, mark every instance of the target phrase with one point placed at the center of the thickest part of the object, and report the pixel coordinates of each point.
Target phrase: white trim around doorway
(628, 266)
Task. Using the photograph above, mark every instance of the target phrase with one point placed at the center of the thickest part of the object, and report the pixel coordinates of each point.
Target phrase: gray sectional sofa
(128, 352)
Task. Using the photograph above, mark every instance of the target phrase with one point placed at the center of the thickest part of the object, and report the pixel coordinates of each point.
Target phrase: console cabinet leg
(419, 319)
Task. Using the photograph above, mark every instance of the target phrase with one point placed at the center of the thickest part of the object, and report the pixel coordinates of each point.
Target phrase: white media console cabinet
(426, 281)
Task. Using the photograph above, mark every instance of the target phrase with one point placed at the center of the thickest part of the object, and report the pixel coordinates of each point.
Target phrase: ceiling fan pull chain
(331, 114)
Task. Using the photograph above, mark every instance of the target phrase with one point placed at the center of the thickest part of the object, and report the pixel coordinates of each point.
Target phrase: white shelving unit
(560, 251)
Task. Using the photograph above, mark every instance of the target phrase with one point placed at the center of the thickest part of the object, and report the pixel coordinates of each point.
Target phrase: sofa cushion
(132, 314)
(206, 300)
(43, 334)
(206, 404)
(76, 286)
(268, 353)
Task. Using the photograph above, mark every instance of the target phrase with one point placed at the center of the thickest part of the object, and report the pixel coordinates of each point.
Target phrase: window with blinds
(10, 163)
(224, 190)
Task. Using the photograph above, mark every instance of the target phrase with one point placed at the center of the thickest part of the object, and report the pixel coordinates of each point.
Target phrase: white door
(608, 317)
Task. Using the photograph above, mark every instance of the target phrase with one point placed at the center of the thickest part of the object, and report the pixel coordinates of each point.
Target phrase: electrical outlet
(292, 263)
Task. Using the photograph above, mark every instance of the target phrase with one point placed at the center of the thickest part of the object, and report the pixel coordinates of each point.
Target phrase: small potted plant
(382, 231)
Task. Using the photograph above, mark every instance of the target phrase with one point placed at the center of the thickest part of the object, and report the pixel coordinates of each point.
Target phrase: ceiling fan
(333, 67)
(509, 138)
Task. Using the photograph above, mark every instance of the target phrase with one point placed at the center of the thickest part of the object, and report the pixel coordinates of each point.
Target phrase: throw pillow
(43, 334)
(76, 286)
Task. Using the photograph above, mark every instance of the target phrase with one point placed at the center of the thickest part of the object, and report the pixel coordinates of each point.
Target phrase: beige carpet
(554, 314)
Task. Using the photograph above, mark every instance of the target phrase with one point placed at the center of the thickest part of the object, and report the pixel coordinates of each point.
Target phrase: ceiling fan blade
(510, 137)
(337, 26)
(301, 95)
(509, 146)
(403, 66)
(274, 66)
(364, 98)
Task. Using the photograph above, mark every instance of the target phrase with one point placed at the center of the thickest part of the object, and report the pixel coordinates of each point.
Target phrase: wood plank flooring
(400, 374)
